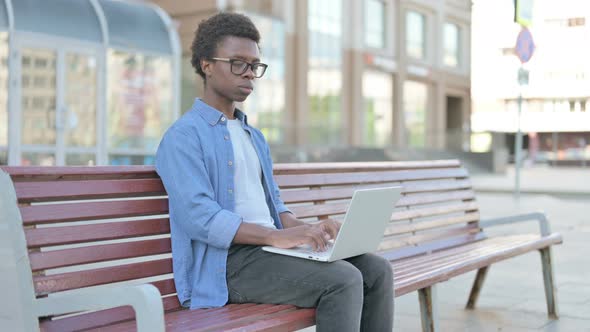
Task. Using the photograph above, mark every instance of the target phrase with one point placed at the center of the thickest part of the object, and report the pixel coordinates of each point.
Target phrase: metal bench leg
(549, 279)
(477, 283)
(428, 309)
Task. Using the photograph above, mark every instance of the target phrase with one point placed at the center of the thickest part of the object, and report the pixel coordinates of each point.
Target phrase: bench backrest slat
(53, 236)
(58, 213)
(91, 189)
(98, 253)
(296, 180)
(100, 276)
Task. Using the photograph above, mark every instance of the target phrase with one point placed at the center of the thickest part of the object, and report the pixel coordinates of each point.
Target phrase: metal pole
(518, 143)
(554, 147)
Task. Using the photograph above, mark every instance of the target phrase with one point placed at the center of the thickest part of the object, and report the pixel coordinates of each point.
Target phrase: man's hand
(316, 235)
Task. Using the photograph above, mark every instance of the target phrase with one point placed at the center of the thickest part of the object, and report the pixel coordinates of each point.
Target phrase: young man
(224, 204)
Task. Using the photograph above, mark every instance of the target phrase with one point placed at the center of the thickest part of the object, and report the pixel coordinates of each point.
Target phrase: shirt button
(226, 137)
(230, 162)
(222, 118)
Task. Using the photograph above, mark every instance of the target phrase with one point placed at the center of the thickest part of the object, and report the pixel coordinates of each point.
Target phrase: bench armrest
(145, 300)
(540, 217)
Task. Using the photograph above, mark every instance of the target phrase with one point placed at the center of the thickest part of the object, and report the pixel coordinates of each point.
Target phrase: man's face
(219, 74)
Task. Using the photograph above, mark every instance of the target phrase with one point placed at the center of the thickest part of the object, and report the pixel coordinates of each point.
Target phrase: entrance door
(454, 120)
(58, 106)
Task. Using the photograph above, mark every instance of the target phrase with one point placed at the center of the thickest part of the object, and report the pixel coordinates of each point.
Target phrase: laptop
(367, 216)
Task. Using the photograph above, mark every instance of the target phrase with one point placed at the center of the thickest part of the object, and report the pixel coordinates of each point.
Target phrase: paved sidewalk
(537, 180)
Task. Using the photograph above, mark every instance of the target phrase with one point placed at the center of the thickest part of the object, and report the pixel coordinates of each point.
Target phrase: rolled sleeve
(223, 231)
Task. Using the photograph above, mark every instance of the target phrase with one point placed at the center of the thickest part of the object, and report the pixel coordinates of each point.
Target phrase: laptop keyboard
(307, 250)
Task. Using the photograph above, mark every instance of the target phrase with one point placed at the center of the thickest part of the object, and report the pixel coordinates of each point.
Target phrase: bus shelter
(85, 82)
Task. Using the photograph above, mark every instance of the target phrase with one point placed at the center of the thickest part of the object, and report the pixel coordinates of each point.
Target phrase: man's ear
(206, 67)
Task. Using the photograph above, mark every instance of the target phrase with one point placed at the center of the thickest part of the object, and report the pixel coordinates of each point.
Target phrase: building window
(415, 35)
(266, 106)
(378, 108)
(139, 98)
(452, 45)
(325, 75)
(375, 23)
(415, 103)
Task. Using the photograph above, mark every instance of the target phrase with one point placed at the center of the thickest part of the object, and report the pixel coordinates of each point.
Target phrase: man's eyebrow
(244, 58)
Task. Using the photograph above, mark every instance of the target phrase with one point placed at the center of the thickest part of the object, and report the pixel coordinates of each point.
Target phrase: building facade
(346, 74)
(555, 113)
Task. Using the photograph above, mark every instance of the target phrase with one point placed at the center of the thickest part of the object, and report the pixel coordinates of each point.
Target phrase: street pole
(518, 141)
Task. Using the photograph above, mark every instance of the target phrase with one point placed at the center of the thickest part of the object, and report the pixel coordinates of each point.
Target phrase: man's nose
(249, 74)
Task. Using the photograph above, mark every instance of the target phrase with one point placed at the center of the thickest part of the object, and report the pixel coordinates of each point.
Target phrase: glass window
(415, 104)
(325, 75)
(375, 23)
(415, 35)
(80, 98)
(266, 106)
(139, 101)
(378, 108)
(3, 98)
(452, 44)
(38, 101)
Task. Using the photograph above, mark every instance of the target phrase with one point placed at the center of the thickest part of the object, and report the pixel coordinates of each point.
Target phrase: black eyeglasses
(239, 67)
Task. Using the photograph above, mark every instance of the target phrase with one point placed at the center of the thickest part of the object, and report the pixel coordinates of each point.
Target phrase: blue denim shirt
(195, 162)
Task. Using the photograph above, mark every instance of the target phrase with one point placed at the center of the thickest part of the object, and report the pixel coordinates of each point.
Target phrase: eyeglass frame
(248, 65)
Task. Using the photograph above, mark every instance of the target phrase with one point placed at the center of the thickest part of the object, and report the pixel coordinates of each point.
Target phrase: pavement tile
(569, 310)
(566, 324)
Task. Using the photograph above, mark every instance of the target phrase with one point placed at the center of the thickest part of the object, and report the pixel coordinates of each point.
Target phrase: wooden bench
(99, 229)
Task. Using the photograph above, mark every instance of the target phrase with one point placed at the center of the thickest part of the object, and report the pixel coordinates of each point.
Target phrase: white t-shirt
(248, 192)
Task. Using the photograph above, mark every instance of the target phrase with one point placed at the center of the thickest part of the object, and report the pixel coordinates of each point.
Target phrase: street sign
(525, 46)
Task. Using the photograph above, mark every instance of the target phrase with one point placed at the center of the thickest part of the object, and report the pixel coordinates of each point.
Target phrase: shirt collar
(213, 116)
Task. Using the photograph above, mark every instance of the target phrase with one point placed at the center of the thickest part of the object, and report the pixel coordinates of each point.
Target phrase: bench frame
(146, 299)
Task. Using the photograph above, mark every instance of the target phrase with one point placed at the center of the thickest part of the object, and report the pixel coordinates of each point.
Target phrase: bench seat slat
(405, 286)
(425, 248)
(42, 214)
(436, 254)
(97, 253)
(293, 181)
(99, 318)
(72, 280)
(51, 236)
(90, 189)
(218, 322)
(438, 260)
(287, 320)
(242, 317)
